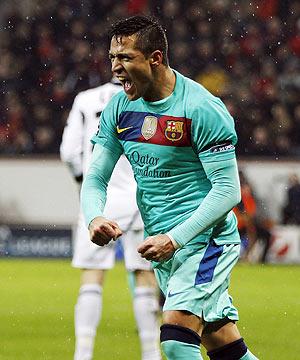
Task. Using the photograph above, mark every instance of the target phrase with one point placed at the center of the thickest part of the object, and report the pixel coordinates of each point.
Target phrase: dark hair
(150, 34)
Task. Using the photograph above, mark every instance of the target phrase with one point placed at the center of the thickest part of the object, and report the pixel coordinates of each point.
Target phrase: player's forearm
(93, 192)
(71, 146)
(223, 196)
(93, 197)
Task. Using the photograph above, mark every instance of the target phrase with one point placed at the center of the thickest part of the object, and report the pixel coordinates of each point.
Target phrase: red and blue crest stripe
(133, 121)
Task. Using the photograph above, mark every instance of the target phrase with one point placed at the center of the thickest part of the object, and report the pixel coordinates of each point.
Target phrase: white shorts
(87, 255)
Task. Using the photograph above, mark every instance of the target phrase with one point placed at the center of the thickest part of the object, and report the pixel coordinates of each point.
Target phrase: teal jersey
(167, 144)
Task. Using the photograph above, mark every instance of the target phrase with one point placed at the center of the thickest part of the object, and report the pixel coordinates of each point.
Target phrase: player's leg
(220, 335)
(196, 280)
(146, 309)
(87, 314)
(88, 309)
(181, 329)
(222, 340)
(145, 296)
(180, 335)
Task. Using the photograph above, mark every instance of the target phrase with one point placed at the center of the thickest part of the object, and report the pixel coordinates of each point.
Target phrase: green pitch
(37, 300)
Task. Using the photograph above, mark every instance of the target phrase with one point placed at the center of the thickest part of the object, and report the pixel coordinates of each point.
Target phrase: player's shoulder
(103, 91)
(197, 93)
(118, 102)
(87, 93)
(198, 98)
(84, 98)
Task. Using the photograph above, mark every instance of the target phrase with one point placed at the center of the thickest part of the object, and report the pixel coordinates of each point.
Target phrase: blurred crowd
(245, 52)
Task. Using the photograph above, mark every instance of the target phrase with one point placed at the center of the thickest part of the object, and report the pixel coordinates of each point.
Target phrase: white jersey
(76, 151)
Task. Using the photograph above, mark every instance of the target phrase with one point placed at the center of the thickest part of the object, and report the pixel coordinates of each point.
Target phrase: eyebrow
(120, 55)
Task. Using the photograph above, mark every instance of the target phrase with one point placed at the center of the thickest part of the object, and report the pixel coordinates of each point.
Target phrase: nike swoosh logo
(176, 293)
(119, 131)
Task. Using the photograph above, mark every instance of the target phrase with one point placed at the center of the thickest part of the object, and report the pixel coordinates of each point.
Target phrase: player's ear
(156, 58)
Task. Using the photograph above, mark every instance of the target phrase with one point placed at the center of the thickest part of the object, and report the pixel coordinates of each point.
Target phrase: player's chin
(133, 93)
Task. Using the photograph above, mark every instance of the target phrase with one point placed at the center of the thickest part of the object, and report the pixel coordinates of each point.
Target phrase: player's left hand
(157, 248)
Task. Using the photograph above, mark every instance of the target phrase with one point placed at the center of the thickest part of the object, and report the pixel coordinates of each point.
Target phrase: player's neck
(164, 81)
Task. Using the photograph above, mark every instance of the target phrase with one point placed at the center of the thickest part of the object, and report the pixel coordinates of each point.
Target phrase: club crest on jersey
(174, 130)
(149, 126)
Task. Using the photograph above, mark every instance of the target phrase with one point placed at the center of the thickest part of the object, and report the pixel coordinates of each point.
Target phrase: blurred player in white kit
(76, 150)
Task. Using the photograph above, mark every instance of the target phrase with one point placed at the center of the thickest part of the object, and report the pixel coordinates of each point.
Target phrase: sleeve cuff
(175, 244)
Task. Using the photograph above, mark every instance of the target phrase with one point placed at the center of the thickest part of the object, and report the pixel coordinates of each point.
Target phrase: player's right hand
(102, 231)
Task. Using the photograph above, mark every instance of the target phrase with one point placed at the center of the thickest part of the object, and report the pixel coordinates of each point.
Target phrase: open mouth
(127, 84)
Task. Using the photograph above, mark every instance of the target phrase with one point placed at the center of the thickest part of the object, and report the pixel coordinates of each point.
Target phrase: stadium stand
(245, 52)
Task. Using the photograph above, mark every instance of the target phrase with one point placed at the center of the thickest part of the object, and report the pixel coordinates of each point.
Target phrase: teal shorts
(197, 280)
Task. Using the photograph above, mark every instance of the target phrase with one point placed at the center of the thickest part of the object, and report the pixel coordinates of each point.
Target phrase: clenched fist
(102, 231)
(157, 248)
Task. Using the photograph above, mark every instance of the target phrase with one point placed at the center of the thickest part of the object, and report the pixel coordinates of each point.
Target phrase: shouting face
(131, 67)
